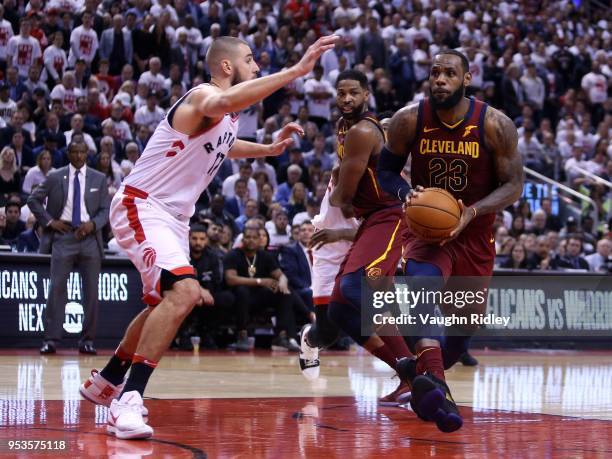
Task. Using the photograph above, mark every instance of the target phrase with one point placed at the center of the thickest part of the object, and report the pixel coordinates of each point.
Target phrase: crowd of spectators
(105, 73)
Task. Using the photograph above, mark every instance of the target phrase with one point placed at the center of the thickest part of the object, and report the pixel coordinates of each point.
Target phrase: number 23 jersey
(176, 168)
(454, 158)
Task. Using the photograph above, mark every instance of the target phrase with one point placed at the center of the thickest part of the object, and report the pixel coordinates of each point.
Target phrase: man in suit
(116, 46)
(235, 205)
(572, 258)
(76, 211)
(512, 91)
(296, 262)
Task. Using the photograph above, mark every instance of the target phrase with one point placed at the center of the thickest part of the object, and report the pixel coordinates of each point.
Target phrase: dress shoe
(47, 348)
(87, 349)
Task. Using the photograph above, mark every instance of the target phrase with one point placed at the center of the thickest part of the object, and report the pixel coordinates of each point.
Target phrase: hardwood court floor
(521, 404)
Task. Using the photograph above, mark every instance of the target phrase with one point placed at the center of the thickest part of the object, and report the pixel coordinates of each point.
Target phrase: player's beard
(452, 100)
(353, 114)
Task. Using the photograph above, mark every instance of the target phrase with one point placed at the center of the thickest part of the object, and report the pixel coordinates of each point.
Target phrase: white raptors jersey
(330, 217)
(175, 168)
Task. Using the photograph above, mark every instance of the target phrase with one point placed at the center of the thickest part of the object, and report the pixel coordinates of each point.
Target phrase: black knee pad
(168, 279)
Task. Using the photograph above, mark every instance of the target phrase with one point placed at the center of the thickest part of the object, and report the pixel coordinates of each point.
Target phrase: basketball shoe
(432, 401)
(406, 370)
(125, 418)
(309, 356)
(400, 396)
(101, 391)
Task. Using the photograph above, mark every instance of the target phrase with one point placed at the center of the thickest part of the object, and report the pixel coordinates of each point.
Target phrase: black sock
(139, 377)
(116, 369)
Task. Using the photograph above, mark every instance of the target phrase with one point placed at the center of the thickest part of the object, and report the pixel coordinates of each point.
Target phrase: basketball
(433, 214)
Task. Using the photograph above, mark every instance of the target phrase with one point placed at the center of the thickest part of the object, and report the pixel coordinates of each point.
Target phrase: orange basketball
(433, 215)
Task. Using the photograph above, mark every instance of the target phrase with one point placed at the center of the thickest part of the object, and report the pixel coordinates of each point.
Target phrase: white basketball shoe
(309, 356)
(125, 418)
(101, 391)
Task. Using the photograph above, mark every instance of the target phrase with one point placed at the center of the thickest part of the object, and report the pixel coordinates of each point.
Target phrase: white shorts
(153, 239)
(325, 267)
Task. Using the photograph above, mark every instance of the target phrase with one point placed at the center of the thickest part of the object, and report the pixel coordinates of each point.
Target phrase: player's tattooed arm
(400, 135)
(359, 143)
(501, 139)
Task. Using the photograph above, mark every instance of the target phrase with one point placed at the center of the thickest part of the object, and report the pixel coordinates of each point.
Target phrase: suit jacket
(55, 190)
(6, 136)
(232, 206)
(106, 44)
(295, 266)
(566, 262)
(28, 241)
(177, 57)
(511, 99)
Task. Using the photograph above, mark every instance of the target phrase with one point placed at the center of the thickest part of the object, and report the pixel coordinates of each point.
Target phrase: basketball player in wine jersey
(377, 245)
(150, 214)
(469, 149)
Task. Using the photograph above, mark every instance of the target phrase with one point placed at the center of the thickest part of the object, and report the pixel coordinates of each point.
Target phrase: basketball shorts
(377, 248)
(466, 263)
(153, 239)
(470, 254)
(325, 267)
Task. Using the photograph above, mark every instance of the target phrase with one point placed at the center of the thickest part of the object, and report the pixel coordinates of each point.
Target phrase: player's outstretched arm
(401, 133)
(244, 149)
(360, 140)
(247, 93)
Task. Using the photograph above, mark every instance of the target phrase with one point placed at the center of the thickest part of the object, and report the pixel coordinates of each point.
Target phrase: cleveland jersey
(454, 158)
(369, 196)
(176, 168)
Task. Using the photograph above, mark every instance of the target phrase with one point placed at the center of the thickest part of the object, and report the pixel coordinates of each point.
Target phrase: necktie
(76, 201)
(310, 259)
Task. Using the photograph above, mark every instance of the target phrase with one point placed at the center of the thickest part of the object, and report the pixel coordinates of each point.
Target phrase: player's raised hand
(278, 147)
(467, 214)
(285, 139)
(290, 129)
(314, 51)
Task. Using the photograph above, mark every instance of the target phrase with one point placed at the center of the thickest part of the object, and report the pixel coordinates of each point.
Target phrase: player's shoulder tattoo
(500, 132)
(408, 114)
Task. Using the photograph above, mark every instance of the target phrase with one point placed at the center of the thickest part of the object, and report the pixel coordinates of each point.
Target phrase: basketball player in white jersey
(330, 242)
(150, 214)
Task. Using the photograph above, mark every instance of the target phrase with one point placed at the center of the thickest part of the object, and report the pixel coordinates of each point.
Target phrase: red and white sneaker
(399, 396)
(101, 391)
(125, 418)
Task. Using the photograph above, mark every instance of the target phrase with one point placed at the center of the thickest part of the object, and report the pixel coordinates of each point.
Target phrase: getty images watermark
(542, 305)
(417, 300)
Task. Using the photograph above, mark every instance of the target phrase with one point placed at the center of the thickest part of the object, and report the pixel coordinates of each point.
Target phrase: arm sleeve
(389, 169)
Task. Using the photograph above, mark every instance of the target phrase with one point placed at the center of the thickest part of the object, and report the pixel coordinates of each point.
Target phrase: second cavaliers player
(377, 245)
(150, 215)
(469, 149)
